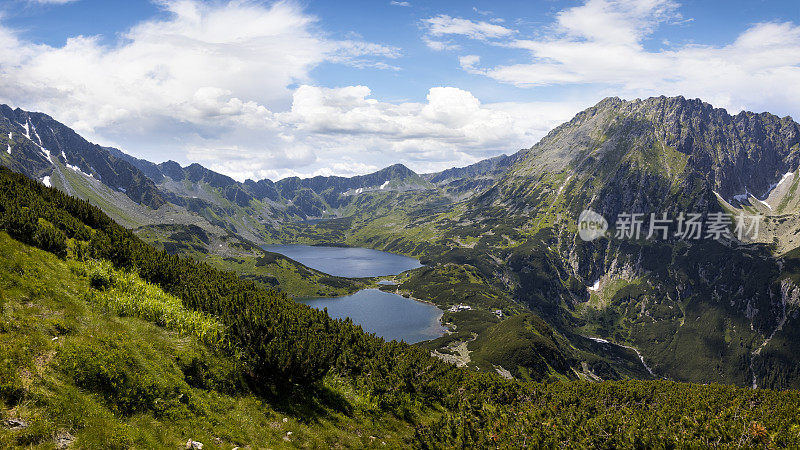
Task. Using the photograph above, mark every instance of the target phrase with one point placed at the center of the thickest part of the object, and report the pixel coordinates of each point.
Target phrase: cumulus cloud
(202, 83)
(602, 43)
(241, 54)
(451, 128)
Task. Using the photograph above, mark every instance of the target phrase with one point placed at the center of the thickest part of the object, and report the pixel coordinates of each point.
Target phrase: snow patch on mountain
(78, 169)
(46, 181)
(33, 127)
(774, 186)
(27, 130)
(46, 153)
(783, 178)
(28, 127)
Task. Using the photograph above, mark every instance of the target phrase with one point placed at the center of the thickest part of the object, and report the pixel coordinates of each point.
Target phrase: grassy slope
(169, 386)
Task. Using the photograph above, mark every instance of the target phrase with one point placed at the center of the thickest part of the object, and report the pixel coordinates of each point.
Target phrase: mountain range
(501, 234)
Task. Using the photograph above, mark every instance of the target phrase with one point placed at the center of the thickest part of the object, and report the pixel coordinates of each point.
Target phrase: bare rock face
(41, 146)
(636, 156)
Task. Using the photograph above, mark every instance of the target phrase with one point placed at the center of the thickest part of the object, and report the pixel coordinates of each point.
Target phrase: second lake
(388, 315)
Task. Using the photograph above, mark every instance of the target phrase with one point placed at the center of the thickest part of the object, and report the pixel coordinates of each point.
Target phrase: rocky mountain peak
(634, 155)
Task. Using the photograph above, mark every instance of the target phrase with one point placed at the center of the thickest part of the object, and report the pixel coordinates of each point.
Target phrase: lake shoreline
(387, 314)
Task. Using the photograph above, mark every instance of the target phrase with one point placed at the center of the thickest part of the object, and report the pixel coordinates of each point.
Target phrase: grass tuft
(126, 294)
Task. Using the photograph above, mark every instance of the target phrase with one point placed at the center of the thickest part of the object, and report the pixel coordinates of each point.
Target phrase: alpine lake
(386, 314)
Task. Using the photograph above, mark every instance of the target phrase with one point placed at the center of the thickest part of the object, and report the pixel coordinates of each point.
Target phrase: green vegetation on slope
(631, 414)
(111, 377)
(525, 346)
(125, 294)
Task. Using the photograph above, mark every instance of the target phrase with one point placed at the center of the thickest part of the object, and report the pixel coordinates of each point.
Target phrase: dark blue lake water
(388, 315)
(385, 314)
(347, 262)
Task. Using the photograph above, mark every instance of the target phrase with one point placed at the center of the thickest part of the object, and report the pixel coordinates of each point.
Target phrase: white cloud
(201, 84)
(602, 43)
(396, 3)
(616, 21)
(443, 24)
(439, 45)
(228, 84)
(468, 62)
(451, 128)
(238, 51)
(210, 84)
(362, 54)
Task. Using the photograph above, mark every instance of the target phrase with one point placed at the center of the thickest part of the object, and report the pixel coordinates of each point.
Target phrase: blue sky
(264, 89)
